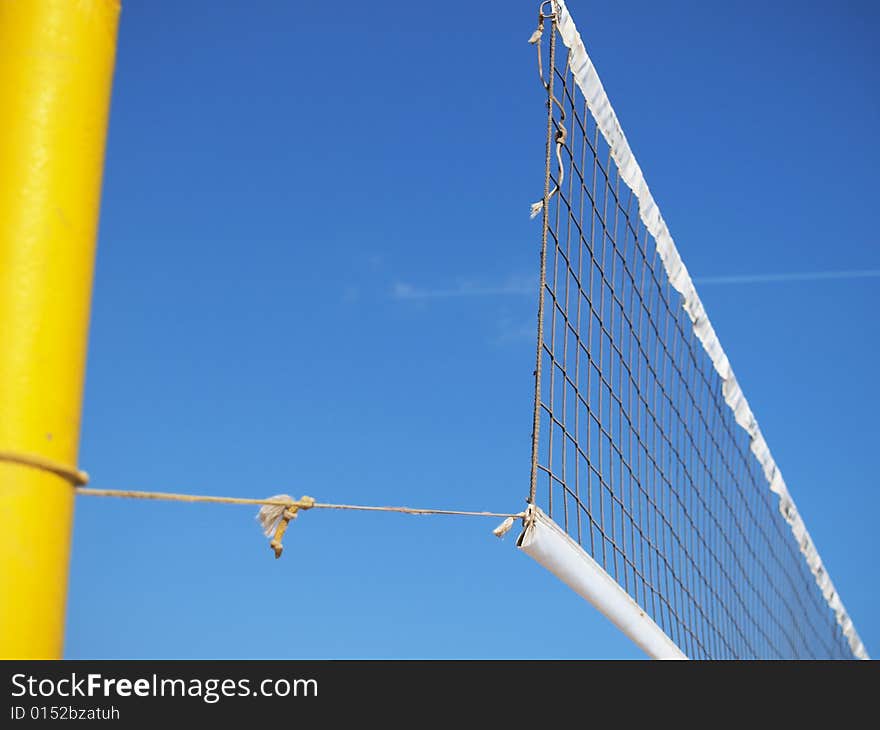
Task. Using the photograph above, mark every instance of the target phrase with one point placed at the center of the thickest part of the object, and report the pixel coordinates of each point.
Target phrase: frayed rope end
(503, 528)
(536, 209)
(270, 514)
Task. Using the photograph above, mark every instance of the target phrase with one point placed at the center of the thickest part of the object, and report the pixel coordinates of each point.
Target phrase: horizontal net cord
(304, 503)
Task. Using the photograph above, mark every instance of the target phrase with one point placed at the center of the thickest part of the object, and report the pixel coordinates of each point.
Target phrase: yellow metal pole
(56, 68)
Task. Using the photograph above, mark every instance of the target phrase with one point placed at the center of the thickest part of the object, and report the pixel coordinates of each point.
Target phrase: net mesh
(636, 454)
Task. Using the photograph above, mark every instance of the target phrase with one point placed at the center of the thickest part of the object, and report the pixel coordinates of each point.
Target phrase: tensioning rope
(275, 512)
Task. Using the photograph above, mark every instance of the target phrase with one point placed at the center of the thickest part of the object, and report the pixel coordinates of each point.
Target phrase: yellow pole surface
(56, 69)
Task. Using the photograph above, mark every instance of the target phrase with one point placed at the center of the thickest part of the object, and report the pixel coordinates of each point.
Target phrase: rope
(276, 512)
(71, 474)
(170, 497)
(304, 503)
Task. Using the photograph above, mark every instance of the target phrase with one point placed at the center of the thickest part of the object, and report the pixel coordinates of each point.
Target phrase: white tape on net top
(590, 85)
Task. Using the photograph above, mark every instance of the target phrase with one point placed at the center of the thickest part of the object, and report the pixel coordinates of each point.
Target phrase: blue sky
(315, 276)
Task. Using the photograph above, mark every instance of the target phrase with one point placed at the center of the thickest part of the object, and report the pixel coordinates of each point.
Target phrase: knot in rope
(276, 517)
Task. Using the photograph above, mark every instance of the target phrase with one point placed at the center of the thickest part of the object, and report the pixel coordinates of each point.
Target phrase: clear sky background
(286, 186)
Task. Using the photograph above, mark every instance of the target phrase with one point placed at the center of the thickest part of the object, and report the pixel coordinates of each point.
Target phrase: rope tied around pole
(73, 475)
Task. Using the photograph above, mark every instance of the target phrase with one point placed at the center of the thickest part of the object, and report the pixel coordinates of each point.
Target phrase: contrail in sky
(525, 287)
(511, 287)
(790, 276)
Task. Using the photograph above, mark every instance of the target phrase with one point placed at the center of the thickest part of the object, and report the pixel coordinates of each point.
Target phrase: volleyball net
(650, 474)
